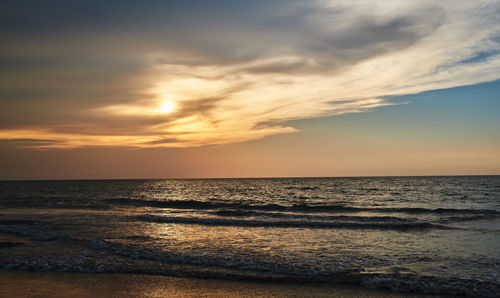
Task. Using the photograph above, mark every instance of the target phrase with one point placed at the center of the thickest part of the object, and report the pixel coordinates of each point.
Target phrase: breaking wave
(333, 208)
(290, 224)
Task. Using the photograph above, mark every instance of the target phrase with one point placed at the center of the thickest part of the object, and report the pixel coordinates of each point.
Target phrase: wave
(9, 222)
(406, 282)
(52, 203)
(303, 187)
(461, 218)
(124, 258)
(206, 205)
(9, 244)
(250, 213)
(289, 224)
(431, 285)
(31, 230)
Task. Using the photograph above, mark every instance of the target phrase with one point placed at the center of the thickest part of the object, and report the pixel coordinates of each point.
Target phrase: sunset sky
(160, 89)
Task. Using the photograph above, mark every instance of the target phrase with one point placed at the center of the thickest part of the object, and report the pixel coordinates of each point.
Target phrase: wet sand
(53, 284)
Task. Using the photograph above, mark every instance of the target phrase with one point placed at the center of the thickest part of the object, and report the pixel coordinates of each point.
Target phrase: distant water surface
(436, 235)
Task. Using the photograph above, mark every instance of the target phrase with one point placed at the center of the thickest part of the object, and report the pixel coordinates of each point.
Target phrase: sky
(167, 89)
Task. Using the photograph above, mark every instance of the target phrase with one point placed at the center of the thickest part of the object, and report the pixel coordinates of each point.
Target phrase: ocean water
(438, 235)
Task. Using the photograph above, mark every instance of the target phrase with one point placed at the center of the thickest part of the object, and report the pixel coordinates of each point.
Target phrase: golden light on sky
(399, 49)
(168, 106)
(210, 74)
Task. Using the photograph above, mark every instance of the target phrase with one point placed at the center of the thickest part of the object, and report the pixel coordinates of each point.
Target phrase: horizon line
(263, 177)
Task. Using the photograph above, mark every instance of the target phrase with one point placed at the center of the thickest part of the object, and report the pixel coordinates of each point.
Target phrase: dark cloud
(26, 143)
(163, 141)
(204, 106)
(215, 32)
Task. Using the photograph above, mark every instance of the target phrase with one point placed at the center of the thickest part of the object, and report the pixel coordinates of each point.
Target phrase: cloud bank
(100, 74)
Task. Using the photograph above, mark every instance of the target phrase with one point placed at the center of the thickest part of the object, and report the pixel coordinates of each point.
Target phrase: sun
(167, 107)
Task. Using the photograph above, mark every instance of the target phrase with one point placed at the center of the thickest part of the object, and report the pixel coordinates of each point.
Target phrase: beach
(56, 284)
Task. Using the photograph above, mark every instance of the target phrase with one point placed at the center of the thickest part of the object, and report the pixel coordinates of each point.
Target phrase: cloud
(235, 72)
(26, 143)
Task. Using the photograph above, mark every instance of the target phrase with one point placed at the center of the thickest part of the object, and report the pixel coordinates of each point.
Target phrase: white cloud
(332, 57)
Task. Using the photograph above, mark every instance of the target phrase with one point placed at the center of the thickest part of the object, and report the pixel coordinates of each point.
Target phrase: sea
(429, 235)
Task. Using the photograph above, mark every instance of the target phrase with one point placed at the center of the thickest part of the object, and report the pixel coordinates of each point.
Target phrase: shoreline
(62, 284)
